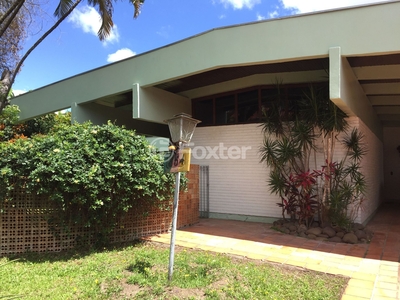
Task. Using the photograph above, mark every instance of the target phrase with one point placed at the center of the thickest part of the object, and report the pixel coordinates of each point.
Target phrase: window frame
(285, 89)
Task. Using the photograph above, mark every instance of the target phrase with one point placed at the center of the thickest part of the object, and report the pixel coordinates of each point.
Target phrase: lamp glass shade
(182, 127)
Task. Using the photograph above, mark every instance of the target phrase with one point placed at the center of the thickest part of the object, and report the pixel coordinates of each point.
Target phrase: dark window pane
(248, 107)
(268, 97)
(296, 92)
(294, 96)
(225, 110)
(203, 111)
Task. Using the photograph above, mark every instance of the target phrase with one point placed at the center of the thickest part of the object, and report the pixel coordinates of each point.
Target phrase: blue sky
(74, 48)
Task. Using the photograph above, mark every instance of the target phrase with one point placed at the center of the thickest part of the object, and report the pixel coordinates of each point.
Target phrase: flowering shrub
(92, 173)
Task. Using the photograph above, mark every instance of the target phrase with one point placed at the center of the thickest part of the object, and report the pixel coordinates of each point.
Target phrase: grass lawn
(140, 272)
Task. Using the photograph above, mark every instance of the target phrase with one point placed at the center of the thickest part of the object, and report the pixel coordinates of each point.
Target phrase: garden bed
(356, 234)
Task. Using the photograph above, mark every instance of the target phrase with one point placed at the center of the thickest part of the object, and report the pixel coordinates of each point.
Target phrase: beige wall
(373, 169)
(347, 93)
(391, 164)
(239, 186)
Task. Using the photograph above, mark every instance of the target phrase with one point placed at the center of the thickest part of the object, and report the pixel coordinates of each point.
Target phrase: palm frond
(303, 135)
(105, 9)
(287, 151)
(333, 119)
(354, 145)
(137, 5)
(63, 7)
(268, 152)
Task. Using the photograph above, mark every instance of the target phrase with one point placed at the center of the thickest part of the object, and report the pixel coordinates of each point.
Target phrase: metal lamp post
(181, 127)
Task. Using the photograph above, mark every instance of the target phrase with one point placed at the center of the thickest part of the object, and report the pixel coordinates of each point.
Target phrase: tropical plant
(13, 28)
(347, 182)
(299, 200)
(293, 127)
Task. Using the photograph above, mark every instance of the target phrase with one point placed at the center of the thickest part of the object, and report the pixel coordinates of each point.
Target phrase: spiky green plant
(290, 142)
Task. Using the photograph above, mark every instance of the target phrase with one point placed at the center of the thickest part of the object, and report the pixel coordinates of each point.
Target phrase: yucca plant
(348, 183)
(289, 145)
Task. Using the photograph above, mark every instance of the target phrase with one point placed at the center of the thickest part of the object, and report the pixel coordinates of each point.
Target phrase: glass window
(225, 110)
(204, 111)
(251, 105)
(268, 97)
(294, 97)
(248, 110)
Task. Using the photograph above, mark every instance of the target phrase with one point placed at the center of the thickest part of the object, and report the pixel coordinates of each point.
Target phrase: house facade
(223, 77)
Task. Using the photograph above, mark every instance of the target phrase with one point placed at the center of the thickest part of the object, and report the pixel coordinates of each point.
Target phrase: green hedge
(92, 173)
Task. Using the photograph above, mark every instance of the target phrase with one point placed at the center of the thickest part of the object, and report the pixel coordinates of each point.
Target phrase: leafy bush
(92, 173)
(8, 120)
(10, 129)
(39, 125)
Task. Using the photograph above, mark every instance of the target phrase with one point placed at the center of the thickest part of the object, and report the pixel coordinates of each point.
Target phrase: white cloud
(18, 92)
(260, 17)
(273, 14)
(64, 111)
(120, 54)
(304, 6)
(239, 4)
(89, 20)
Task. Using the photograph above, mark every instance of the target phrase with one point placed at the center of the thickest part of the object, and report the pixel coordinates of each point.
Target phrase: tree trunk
(9, 16)
(328, 153)
(7, 84)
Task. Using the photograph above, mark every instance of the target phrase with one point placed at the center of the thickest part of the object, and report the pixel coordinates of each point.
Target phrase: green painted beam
(347, 93)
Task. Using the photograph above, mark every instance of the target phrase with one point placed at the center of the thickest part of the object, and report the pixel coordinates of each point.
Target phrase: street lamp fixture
(181, 127)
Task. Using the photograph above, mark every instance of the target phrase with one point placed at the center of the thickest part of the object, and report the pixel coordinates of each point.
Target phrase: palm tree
(63, 10)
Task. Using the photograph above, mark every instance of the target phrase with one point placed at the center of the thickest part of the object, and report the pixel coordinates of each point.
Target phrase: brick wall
(23, 225)
(188, 207)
